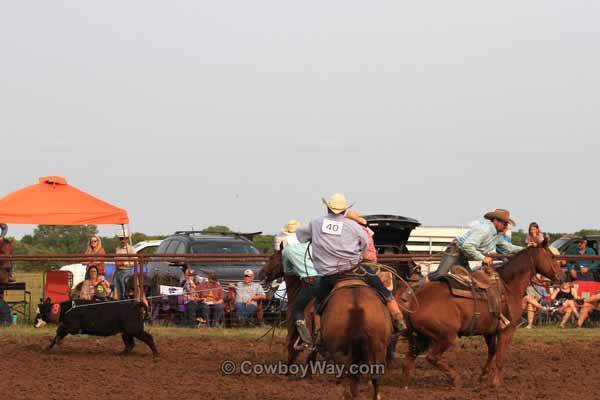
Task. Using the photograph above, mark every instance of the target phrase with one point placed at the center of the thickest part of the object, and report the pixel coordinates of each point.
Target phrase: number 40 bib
(332, 227)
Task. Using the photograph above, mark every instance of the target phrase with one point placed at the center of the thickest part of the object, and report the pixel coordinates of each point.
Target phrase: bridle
(556, 272)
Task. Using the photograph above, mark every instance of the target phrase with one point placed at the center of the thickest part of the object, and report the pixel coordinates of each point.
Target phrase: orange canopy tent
(54, 202)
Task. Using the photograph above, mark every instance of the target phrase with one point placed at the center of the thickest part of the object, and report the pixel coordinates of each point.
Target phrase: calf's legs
(149, 340)
(129, 344)
(60, 335)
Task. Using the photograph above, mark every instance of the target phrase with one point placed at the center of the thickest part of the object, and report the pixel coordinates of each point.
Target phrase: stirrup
(303, 332)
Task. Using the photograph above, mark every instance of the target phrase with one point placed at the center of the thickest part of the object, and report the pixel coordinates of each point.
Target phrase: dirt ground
(190, 367)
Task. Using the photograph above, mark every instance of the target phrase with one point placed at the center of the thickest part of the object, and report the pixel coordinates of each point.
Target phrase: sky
(246, 113)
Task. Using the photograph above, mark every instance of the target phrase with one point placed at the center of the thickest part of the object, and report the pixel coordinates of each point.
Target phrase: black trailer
(391, 233)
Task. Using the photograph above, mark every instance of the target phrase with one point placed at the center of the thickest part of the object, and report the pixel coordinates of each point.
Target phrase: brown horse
(272, 270)
(6, 249)
(440, 317)
(356, 330)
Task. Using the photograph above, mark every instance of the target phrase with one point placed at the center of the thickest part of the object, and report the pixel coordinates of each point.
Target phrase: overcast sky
(245, 113)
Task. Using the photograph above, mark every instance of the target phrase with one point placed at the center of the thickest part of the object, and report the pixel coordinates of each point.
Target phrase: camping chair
(57, 286)
(17, 304)
(230, 305)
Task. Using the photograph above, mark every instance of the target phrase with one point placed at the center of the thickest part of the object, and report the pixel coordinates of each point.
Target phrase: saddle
(483, 284)
(345, 283)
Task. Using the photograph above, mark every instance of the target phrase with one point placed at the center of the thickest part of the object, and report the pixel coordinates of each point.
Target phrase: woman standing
(95, 247)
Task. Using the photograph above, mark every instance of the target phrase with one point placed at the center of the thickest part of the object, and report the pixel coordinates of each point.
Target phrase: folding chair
(57, 286)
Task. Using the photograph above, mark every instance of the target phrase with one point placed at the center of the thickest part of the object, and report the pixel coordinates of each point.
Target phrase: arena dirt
(190, 367)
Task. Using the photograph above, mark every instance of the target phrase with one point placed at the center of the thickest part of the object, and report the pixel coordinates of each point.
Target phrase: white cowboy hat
(337, 203)
(292, 226)
(248, 272)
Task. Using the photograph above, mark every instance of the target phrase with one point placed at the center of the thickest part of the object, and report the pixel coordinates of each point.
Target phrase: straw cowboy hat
(337, 203)
(292, 226)
(123, 233)
(354, 216)
(501, 214)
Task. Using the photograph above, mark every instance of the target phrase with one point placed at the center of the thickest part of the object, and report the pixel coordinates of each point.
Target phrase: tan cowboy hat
(354, 216)
(292, 226)
(123, 233)
(501, 214)
(337, 203)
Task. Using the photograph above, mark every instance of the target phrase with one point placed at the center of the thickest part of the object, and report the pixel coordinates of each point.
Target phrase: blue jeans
(452, 256)
(189, 315)
(326, 283)
(205, 309)
(244, 310)
(120, 276)
(306, 294)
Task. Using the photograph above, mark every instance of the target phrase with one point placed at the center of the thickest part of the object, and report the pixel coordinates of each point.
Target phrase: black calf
(103, 319)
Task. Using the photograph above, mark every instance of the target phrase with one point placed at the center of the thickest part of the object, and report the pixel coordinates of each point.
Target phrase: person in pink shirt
(371, 255)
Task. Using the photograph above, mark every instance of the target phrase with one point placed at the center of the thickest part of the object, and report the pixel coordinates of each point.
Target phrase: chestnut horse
(356, 331)
(440, 317)
(272, 270)
(6, 249)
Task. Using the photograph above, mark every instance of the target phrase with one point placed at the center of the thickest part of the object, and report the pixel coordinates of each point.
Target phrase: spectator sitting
(247, 293)
(95, 247)
(190, 298)
(534, 236)
(210, 294)
(582, 270)
(122, 267)
(593, 303)
(95, 287)
(535, 296)
(563, 301)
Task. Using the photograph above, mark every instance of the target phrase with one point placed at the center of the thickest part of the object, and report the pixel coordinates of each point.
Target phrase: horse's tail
(417, 342)
(359, 345)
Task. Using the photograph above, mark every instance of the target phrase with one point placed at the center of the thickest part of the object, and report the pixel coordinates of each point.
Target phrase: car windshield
(557, 244)
(223, 248)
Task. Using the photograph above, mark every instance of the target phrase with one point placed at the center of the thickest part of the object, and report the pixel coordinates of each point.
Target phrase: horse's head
(273, 269)
(544, 262)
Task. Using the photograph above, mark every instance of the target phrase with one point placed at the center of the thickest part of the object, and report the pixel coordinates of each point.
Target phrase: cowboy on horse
(297, 260)
(478, 243)
(338, 247)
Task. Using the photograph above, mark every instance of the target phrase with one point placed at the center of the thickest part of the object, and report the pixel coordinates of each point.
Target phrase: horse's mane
(515, 265)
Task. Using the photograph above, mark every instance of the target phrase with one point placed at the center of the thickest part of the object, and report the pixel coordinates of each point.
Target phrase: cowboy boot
(397, 318)
(303, 332)
(398, 323)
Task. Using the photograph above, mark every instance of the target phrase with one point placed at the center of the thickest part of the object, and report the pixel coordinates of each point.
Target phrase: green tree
(62, 238)
(264, 243)
(216, 229)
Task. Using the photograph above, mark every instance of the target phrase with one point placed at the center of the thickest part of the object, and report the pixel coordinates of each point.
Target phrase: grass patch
(158, 332)
(543, 334)
(552, 334)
